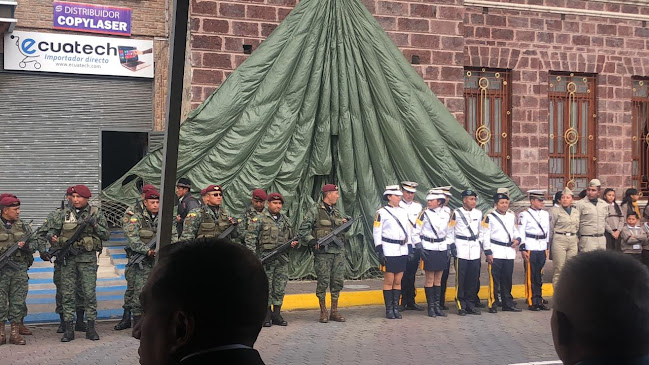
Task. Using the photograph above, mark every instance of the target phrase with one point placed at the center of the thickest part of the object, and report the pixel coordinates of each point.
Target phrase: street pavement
(366, 338)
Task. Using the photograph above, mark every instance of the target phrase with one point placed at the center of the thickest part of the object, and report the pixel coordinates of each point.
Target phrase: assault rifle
(274, 254)
(228, 230)
(332, 237)
(67, 249)
(5, 257)
(137, 258)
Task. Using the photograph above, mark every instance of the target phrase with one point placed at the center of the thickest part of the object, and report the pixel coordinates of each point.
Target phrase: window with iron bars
(640, 136)
(572, 117)
(487, 98)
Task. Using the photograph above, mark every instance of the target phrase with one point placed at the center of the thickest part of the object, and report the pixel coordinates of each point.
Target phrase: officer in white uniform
(392, 241)
(466, 232)
(413, 208)
(430, 238)
(442, 298)
(499, 241)
(533, 229)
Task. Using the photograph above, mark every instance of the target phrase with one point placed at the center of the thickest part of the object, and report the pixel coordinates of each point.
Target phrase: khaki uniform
(563, 237)
(633, 239)
(592, 224)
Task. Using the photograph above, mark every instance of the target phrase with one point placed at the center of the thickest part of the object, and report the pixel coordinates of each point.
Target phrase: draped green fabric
(326, 98)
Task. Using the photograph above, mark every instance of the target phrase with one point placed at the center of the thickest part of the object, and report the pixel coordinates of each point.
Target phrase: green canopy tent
(327, 97)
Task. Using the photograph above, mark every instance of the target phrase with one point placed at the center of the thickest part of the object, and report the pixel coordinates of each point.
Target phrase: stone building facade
(555, 90)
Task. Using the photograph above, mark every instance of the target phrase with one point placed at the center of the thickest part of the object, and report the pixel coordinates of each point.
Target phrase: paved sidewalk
(366, 338)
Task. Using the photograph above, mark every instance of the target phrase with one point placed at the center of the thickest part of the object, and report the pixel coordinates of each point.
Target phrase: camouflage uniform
(250, 215)
(206, 221)
(44, 245)
(128, 275)
(264, 235)
(14, 283)
(84, 264)
(330, 264)
(139, 229)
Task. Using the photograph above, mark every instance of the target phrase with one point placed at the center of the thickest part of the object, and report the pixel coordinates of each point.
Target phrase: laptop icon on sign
(128, 57)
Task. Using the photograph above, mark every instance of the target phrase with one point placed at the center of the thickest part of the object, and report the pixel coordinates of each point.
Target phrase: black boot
(430, 299)
(437, 293)
(277, 317)
(395, 303)
(91, 333)
(125, 322)
(268, 322)
(61, 328)
(387, 298)
(136, 319)
(80, 325)
(68, 334)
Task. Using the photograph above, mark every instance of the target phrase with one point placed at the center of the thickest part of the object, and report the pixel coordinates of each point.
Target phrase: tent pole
(177, 46)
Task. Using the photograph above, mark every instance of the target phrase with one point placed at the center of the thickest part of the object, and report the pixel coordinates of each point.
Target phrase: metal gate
(50, 131)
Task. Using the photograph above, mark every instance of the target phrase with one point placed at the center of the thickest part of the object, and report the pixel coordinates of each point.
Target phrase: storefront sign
(51, 52)
(92, 18)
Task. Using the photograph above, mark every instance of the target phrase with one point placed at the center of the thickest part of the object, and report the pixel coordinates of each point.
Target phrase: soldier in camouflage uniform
(252, 212)
(330, 264)
(270, 231)
(139, 229)
(43, 247)
(14, 282)
(130, 211)
(209, 220)
(82, 262)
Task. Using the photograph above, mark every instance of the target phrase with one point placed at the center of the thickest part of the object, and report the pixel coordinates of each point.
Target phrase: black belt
(535, 236)
(432, 240)
(592, 235)
(389, 240)
(566, 233)
(500, 243)
(467, 238)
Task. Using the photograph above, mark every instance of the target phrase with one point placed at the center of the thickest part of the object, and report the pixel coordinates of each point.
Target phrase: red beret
(204, 192)
(147, 188)
(152, 194)
(7, 194)
(212, 188)
(69, 190)
(259, 194)
(275, 196)
(329, 187)
(82, 190)
(9, 201)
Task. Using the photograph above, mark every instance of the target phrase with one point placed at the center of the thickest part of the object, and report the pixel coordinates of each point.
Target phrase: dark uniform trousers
(500, 286)
(466, 272)
(408, 290)
(534, 277)
(476, 298)
(442, 297)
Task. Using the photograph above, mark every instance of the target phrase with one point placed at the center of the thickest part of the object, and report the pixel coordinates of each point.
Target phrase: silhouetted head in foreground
(601, 310)
(204, 297)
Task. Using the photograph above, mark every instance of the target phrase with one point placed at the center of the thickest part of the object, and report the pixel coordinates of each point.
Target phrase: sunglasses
(216, 194)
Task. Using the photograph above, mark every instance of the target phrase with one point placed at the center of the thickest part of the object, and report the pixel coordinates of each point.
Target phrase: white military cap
(446, 190)
(435, 194)
(538, 194)
(392, 190)
(409, 186)
(503, 191)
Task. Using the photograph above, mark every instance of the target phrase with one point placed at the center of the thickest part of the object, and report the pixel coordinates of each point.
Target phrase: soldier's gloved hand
(45, 256)
(420, 250)
(380, 254)
(92, 221)
(313, 243)
(453, 249)
(411, 253)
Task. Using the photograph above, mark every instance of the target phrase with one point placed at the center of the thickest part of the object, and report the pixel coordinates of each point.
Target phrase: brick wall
(448, 36)
(431, 30)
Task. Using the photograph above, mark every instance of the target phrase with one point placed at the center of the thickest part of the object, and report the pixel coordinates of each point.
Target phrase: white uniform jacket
(498, 238)
(466, 243)
(413, 209)
(388, 232)
(431, 229)
(534, 229)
